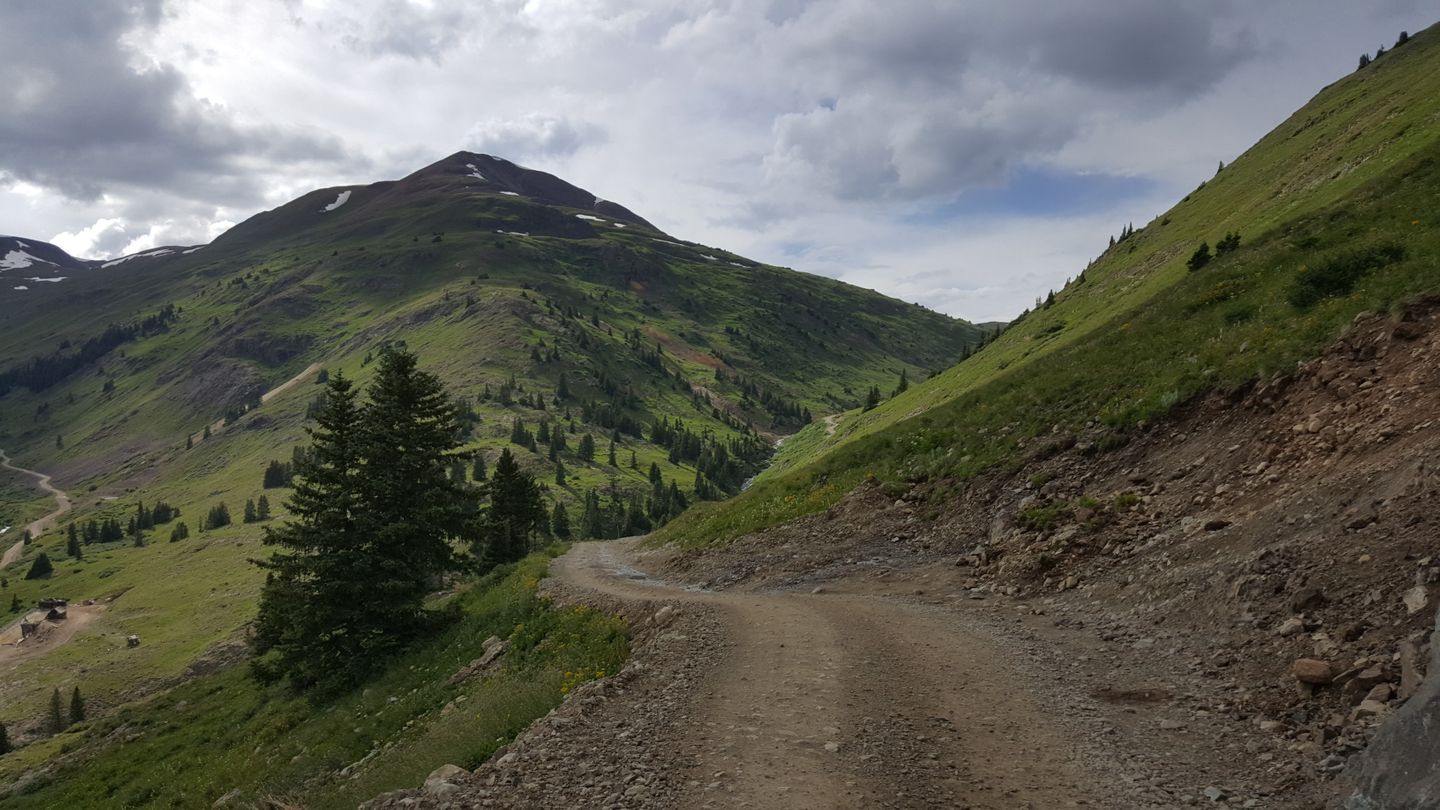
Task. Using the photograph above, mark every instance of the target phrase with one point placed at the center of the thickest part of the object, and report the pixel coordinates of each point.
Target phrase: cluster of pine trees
(39, 373)
(377, 524)
(783, 412)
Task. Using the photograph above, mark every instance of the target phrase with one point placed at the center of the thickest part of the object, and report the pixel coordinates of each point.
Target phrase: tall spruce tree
(560, 522)
(77, 707)
(56, 719)
(4, 739)
(316, 580)
(515, 514)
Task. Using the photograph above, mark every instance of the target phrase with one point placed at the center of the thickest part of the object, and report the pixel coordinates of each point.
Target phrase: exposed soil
(50, 636)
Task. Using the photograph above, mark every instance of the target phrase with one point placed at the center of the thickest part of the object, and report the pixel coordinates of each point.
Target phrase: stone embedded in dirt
(1410, 674)
(1292, 626)
(1307, 599)
(1171, 725)
(1371, 708)
(1379, 693)
(664, 615)
(1312, 671)
(1216, 524)
(1416, 599)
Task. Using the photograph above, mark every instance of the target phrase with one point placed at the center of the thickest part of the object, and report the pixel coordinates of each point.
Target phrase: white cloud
(812, 133)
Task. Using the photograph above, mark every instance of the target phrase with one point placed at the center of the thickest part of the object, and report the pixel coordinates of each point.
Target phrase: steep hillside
(1334, 214)
(562, 324)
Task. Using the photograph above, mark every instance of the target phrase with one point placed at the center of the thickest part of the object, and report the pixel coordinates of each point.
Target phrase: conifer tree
(559, 473)
(872, 397)
(611, 459)
(56, 720)
(515, 514)
(72, 544)
(309, 586)
(587, 448)
(180, 532)
(560, 522)
(479, 473)
(250, 516)
(77, 707)
(262, 508)
(4, 740)
(41, 568)
(15, 605)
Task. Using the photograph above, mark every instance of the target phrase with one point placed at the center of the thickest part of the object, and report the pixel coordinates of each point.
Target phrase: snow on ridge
(474, 172)
(19, 259)
(340, 199)
(20, 244)
(618, 224)
(707, 257)
(512, 233)
(668, 242)
(511, 193)
(146, 255)
(191, 250)
(51, 280)
(587, 216)
(737, 264)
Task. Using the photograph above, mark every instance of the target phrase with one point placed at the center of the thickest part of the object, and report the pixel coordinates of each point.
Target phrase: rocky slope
(1276, 549)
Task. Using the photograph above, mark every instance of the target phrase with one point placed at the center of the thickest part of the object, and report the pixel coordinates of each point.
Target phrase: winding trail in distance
(62, 505)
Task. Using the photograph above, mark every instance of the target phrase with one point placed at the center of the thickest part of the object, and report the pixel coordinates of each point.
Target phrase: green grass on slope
(225, 732)
(1244, 316)
(1354, 131)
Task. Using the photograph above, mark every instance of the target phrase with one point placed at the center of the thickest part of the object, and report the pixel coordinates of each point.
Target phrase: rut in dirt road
(37, 527)
(853, 701)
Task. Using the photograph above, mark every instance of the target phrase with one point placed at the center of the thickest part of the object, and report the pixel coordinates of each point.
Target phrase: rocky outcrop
(1398, 771)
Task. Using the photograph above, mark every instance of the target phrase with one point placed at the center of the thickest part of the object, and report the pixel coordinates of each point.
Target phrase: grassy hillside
(1335, 212)
(223, 734)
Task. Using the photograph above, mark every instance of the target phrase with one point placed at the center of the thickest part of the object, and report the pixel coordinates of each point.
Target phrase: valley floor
(881, 688)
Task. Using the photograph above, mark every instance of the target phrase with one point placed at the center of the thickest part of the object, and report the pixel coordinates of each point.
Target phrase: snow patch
(340, 200)
(618, 224)
(21, 287)
(147, 255)
(512, 233)
(511, 193)
(707, 257)
(51, 280)
(668, 242)
(587, 216)
(22, 246)
(192, 250)
(736, 264)
(19, 259)
(474, 172)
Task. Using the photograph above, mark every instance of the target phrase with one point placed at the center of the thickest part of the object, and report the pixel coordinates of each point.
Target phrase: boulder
(1397, 771)
(1312, 671)
(1415, 599)
(442, 781)
(1292, 626)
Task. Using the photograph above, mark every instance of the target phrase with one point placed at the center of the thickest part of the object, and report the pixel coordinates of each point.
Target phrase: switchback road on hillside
(36, 528)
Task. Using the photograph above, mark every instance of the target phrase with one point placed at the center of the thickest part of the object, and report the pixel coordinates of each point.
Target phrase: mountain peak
(506, 177)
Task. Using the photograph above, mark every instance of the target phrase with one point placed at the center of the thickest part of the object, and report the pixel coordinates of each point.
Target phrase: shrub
(1338, 274)
(1199, 258)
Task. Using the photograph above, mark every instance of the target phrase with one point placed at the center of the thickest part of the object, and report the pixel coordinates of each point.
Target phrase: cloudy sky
(964, 154)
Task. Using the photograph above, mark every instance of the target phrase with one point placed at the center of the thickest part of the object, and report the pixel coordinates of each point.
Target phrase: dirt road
(839, 701)
(38, 527)
(219, 424)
